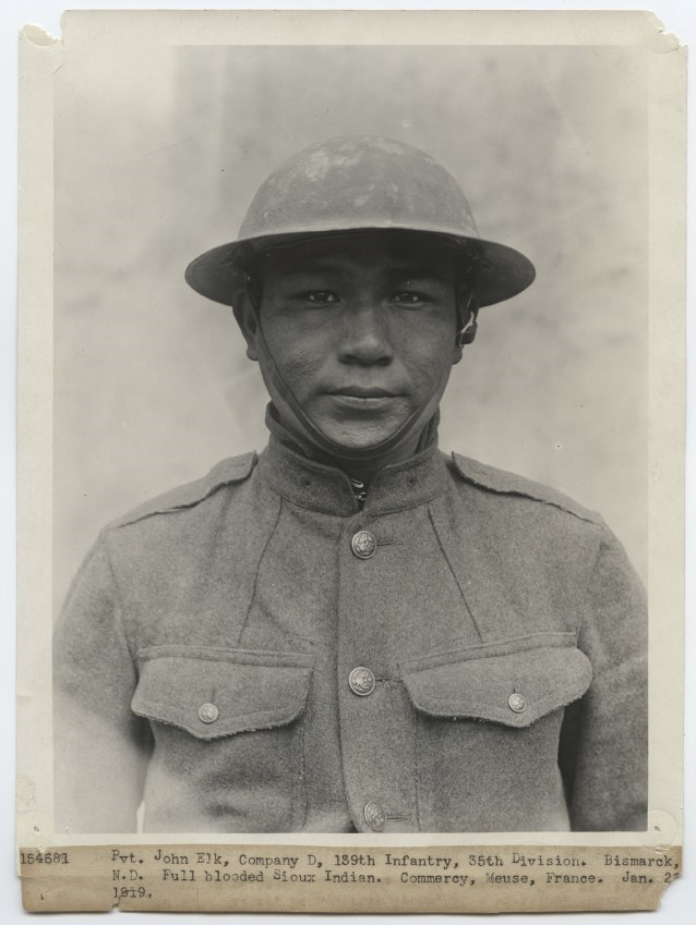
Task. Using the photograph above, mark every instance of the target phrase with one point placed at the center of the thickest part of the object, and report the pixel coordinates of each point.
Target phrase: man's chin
(359, 439)
(352, 437)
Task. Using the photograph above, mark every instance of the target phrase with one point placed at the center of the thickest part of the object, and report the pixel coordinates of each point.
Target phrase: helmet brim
(501, 271)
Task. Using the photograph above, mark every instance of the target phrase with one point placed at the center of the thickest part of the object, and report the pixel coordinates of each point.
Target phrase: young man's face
(363, 330)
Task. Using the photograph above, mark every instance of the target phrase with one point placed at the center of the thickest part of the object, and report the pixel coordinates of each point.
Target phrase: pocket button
(208, 713)
(517, 703)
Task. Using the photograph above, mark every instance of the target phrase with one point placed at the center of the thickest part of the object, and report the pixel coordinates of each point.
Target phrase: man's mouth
(360, 391)
(364, 399)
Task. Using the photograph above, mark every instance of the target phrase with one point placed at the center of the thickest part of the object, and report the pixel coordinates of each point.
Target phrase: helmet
(354, 183)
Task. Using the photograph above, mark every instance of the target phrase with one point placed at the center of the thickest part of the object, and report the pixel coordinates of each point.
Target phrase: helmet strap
(417, 420)
(468, 321)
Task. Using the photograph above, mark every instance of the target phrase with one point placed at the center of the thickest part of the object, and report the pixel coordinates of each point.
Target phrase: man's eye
(410, 297)
(319, 297)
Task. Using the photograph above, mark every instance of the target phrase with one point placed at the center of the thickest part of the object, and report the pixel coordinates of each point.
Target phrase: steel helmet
(361, 182)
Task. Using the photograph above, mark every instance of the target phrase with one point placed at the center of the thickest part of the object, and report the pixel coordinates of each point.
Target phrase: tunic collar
(316, 486)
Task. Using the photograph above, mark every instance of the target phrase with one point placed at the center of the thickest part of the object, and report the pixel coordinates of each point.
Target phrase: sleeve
(100, 746)
(604, 741)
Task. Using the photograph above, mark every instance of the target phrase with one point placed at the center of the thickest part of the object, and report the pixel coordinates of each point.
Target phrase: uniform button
(375, 816)
(361, 681)
(517, 703)
(208, 713)
(363, 544)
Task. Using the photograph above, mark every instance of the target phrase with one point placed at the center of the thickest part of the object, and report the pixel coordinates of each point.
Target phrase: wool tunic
(203, 659)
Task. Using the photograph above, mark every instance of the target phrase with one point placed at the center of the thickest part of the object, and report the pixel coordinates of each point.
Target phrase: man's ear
(469, 326)
(245, 314)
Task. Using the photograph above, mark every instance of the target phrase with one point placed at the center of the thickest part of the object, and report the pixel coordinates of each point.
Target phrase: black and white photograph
(363, 625)
(351, 438)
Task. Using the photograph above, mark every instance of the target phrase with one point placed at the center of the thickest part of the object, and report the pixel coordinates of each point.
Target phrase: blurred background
(157, 158)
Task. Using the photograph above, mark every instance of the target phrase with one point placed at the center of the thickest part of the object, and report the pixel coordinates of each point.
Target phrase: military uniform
(256, 652)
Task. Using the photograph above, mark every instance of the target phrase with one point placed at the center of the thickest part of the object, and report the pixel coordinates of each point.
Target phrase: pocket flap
(213, 693)
(514, 689)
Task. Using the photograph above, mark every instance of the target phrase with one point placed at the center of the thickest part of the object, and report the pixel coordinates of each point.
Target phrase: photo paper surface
(272, 688)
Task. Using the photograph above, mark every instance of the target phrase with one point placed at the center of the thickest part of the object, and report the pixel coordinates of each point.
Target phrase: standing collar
(316, 486)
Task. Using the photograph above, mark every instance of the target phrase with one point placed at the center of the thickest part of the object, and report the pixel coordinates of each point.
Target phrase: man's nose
(365, 336)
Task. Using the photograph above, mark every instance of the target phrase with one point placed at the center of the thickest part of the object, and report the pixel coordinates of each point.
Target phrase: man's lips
(364, 399)
(359, 391)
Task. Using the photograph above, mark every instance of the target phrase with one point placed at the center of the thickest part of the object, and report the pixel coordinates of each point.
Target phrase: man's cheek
(426, 372)
(300, 369)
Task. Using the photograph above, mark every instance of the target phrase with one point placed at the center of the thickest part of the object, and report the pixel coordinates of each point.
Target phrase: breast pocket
(228, 730)
(489, 721)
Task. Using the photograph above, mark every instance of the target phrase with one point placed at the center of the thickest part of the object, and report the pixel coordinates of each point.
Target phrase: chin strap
(317, 436)
(465, 336)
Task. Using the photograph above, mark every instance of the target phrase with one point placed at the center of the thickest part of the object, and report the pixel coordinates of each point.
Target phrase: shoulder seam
(229, 471)
(519, 486)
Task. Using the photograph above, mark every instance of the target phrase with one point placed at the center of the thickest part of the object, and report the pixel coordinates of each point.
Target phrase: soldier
(354, 632)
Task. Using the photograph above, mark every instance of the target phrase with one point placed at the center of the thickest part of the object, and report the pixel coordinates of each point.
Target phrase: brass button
(517, 703)
(375, 816)
(208, 713)
(361, 681)
(363, 544)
